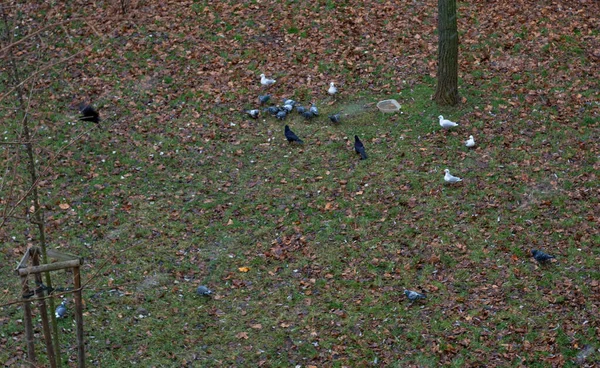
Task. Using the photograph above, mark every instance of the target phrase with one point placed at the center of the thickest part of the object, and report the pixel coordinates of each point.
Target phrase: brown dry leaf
(244, 269)
(242, 335)
(64, 206)
(257, 326)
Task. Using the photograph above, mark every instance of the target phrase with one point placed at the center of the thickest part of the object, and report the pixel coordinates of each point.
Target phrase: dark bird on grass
(264, 99)
(273, 110)
(203, 290)
(61, 310)
(253, 113)
(313, 109)
(540, 256)
(301, 109)
(335, 118)
(281, 114)
(359, 148)
(288, 108)
(308, 115)
(88, 113)
(289, 101)
(413, 295)
(291, 136)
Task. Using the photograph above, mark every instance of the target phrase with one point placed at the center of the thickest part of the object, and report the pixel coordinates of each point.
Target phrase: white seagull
(470, 142)
(266, 81)
(332, 90)
(446, 124)
(449, 178)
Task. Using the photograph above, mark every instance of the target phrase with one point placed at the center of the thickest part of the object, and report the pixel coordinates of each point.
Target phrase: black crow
(88, 113)
(291, 136)
(359, 148)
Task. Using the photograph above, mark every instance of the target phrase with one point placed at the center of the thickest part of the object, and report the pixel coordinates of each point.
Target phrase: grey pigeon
(88, 113)
(359, 148)
(253, 113)
(61, 310)
(273, 110)
(313, 109)
(540, 256)
(300, 109)
(281, 114)
(264, 99)
(335, 118)
(289, 101)
(308, 115)
(203, 290)
(291, 136)
(288, 108)
(413, 295)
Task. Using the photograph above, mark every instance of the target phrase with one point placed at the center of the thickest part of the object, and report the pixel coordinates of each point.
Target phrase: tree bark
(446, 92)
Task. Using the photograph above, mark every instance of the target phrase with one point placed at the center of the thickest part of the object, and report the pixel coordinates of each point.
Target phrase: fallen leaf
(244, 269)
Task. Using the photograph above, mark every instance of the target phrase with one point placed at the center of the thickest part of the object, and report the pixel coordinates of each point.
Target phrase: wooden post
(44, 313)
(79, 318)
(28, 324)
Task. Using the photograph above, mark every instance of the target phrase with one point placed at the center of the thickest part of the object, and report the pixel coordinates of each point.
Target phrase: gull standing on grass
(470, 142)
(266, 81)
(445, 123)
(332, 90)
(449, 178)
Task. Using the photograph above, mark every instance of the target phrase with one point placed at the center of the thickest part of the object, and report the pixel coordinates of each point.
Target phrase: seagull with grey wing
(446, 124)
(449, 178)
(266, 81)
(332, 90)
(470, 142)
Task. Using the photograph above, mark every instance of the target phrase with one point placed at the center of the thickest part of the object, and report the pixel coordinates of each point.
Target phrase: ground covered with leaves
(307, 248)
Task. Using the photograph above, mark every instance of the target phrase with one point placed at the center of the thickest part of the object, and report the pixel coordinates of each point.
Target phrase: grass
(168, 200)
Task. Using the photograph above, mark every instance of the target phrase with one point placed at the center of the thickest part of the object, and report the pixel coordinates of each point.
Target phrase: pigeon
(359, 148)
(288, 108)
(61, 310)
(289, 101)
(540, 256)
(253, 113)
(313, 109)
(291, 136)
(413, 295)
(300, 109)
(335, 118)
(264, 99)
(308, 115)
(281, 114)
(449, 178)
(470, 142)
(266, 81)
(273, 110)
(88, 113)
(332, 90)
(203, 290)
(446, 124)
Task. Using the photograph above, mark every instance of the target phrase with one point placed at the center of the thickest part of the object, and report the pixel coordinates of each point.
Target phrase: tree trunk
(446, 92)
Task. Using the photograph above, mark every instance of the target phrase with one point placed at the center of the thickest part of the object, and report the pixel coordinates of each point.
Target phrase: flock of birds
(88, 113)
